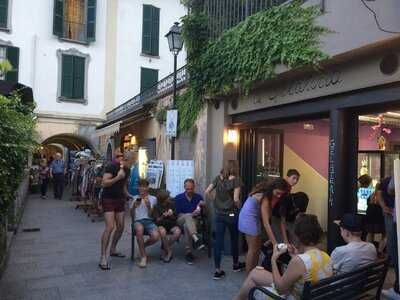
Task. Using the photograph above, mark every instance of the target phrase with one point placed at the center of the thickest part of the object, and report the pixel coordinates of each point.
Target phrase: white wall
(129, 45)
(32, 22)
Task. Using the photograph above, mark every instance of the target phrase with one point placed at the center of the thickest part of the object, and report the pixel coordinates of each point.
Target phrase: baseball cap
(350, 222)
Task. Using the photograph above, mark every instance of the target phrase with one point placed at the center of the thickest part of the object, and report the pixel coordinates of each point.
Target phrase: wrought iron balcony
(224, 14)
(160, 89)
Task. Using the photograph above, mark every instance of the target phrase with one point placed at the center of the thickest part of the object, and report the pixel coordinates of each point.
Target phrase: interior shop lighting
(142, 157)
(133, 140)
(394, 114)
(232, 136)
(263, 152)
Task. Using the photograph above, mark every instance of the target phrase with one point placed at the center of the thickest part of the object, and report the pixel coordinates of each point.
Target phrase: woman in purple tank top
(250, 217)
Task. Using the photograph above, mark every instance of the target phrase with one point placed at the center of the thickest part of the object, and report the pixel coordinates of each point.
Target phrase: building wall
(32, 32)
(129, 59)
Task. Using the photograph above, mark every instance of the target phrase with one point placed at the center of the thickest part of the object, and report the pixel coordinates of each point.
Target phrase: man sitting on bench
(356, 253)
(188, 205)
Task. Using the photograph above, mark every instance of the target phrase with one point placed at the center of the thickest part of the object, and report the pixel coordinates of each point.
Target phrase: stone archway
(70, 141)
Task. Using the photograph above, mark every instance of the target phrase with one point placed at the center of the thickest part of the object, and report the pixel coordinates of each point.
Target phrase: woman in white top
(308, 264)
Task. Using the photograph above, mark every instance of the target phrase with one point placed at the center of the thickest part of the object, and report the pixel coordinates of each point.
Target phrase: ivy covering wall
(246, 53)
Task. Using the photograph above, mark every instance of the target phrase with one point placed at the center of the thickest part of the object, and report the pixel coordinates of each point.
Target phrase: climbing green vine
(246, 53)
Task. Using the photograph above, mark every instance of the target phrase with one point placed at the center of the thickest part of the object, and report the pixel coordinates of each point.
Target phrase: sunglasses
(119, 155)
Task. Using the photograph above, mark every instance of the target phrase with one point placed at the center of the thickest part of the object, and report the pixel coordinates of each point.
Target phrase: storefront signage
(309, 84)
(342, 78)
(172, 123)
(332, 145)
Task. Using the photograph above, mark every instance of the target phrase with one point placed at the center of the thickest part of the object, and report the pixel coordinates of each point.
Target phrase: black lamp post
(175, 43)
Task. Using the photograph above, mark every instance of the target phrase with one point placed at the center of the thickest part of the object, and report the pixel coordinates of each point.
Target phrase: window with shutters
(10, 53)
(73, 68)
(4, 14)
(151, 30)
(75, 20)
(148, 78)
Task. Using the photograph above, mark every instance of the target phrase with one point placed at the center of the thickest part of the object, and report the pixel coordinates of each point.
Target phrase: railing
(160, 89)
(224, 14)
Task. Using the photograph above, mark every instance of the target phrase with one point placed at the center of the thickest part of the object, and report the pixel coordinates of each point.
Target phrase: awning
(109, 130)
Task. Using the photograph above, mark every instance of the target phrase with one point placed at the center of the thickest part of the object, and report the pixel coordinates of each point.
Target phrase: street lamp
(175, 43)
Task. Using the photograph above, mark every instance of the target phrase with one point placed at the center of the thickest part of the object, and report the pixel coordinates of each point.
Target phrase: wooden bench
(359, 284)
(204, 231)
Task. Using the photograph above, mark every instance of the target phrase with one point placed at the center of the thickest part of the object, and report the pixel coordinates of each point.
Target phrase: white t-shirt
(142, 211)
(352, 256)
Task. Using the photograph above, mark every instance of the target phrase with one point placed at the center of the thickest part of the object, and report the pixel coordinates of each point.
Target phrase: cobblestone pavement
(60, 262)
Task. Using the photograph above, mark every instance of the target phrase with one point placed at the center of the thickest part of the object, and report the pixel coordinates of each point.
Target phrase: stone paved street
(60, 262)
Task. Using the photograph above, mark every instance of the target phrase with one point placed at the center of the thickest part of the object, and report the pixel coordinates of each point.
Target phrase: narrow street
(60, 262)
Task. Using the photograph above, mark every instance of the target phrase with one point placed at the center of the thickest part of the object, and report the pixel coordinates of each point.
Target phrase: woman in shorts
(165, 217)
(263, 194)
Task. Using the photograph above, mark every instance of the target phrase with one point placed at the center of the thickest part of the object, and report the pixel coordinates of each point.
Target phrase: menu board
(177, 172)
(155, 170)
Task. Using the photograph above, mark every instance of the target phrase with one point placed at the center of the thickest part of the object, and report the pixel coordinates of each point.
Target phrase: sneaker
(198, 245)
(143, 262)
(240, 266)
(391, 294)
(219, 275)
(189, 258)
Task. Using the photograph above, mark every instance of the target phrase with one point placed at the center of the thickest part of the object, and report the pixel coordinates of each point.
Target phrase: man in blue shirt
(57, 172)
(188, 206)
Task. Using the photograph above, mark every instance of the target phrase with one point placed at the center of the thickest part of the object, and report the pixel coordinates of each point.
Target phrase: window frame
(7, 29)
(77, 53)
(86, 40)
(141, 78)
(142, 52)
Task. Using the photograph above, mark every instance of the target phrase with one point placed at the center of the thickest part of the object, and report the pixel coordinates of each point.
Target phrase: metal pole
(173, 106)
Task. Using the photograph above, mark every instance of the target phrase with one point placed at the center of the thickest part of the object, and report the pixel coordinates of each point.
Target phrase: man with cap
(356, 253)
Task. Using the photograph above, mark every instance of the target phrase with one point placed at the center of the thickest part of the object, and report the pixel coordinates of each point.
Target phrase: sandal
(117, 254)
(104, 267)
(168, 258)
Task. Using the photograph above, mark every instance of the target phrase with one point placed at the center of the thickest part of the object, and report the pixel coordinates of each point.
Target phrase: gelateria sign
(327, 82)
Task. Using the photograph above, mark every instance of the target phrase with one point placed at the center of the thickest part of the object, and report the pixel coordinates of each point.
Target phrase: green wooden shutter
(67, 76)
(155, 33)
(12, 54)
(4, 13)
(91, 21)
(148, 78)
(58, 18)
(79, 78)
(147, 28)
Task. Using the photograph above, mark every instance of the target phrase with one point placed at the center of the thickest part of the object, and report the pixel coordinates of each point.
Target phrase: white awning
(109, 130)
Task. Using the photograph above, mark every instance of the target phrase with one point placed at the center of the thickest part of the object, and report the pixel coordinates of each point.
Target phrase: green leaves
(246, 53)
(17, 139)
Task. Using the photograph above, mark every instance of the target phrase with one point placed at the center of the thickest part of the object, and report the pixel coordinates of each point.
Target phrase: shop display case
(376, 164)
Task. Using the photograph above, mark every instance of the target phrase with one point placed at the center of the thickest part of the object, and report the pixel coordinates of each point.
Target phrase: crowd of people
(272, 219)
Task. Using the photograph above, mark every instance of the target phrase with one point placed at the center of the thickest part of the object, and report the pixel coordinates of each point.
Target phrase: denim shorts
(148, 225)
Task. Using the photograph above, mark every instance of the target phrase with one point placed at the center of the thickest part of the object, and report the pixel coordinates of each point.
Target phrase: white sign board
(172, 123)
(155, 170)
(177, 172)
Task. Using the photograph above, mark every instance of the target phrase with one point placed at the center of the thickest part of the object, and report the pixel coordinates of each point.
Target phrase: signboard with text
(172, 123)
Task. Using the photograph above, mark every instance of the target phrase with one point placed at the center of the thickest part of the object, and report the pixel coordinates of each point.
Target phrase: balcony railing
(224, 14)
(160, 89)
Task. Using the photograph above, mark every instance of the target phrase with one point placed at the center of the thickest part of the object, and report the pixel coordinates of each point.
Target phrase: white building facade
(84, 57)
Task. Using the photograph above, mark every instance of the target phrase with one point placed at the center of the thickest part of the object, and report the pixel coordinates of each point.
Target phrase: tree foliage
(246, 53)
(17, 139)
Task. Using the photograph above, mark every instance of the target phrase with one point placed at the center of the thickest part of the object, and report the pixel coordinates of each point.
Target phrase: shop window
(148, 78)
(151, 148)
(73, 67)
(11, 54)
(75, 20)
(151, 30)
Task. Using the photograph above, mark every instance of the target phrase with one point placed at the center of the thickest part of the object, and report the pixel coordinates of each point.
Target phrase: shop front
(332, 125)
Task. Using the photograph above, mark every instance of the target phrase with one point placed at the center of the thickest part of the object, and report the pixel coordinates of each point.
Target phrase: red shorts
(115, 205)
